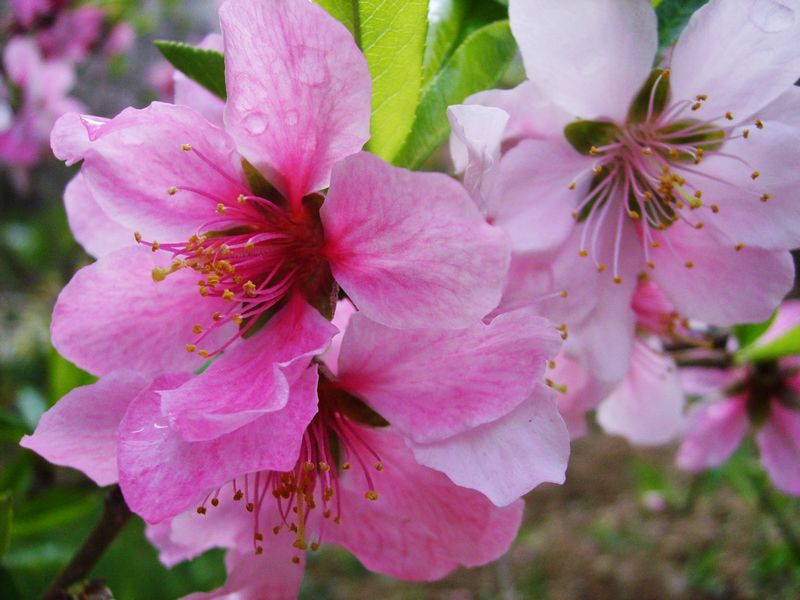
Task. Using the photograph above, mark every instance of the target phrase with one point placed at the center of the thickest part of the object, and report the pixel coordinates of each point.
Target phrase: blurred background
(626, 525)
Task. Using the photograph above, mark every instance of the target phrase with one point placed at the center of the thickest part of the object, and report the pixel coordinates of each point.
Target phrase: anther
(698, 225)
(203, 353)
(379, 466)
(259, 550)
(186, 147)
(729, 116)
(564, 293)
(759, 123)
(583, 253)
(228, 295)
(197, 329)
(701, 97)
(617, 280)
(250, 507)
(371, 495)
(314, 546)
(739, 247)
(755, 175)
(276, 530)
(241, 199)
(172, 191)
(634, 215)
(696, 106)
(238, 495)
(155, 246)
(765, 197)
(346, 466)
(201, 510)
(689, 264)
(215, 503)
(296, 560)
(573, 185)
(714, 208)
(190, 347)
(601, 267)
(650, 264)
(593, 150)
(217, 316)
(220, 209)
(746, 133)
(647, 151)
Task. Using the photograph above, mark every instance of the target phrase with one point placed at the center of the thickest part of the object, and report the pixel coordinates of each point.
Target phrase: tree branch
(115, 515)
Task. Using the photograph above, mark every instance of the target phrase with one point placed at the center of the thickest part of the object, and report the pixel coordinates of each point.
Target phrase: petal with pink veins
(590, 56)
(647, 407)
(506, 458)
(432, 384)
(779, 445)
(161, 475)
(90, 225)
(389, 231)
(756, 39)
(714, 430)
(298, 90)
(80, 431)
(250, 379)
(422, 526)
(112, 313)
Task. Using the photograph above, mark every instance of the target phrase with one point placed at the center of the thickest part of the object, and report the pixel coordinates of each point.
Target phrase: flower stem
(115, 515)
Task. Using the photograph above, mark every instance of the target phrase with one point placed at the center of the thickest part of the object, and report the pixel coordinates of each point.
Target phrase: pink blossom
(73, 33)
(762, 397)
(43, 86)
(606, 170)
(191, 93)
(27, 11)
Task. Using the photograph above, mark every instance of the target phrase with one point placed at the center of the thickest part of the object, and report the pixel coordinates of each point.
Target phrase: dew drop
(255, 123)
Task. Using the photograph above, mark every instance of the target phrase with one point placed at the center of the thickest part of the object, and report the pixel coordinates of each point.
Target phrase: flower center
(252, 255)
(646, 170)
(331, 445)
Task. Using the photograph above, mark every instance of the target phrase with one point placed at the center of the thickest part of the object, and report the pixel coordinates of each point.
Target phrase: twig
(115, 516)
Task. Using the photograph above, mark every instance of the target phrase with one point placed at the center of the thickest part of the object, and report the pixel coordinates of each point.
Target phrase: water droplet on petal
(255, 123)
(772, 15)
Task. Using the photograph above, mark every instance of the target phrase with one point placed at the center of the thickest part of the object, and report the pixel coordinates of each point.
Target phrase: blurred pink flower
(764, 396)
(27, 11)
(73, 33)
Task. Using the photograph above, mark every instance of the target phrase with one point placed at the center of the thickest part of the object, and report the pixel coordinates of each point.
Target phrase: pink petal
(756, 39)
(80, 431)
(534, 202)
(298, 90)
(251, 379)
(784, 108)
(192, 94)
(779, 445)
(743, 217)
(723, 286)
(137, 157)
(432, 384)
(73, 134)
(612, 42)
(698, 381)
(714, 431)
(258, 577)
(475, 144)
(389, 231)
(112, 313)
(341, 320)
(787, 318)
(532, 113)
(647, 408)
(162, 475)
(91, 227)
(422, 526)
(506, 458)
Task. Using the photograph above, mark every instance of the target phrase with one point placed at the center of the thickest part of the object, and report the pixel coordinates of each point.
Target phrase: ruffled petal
(509, 457)
(432, 384)
(411, 249)
(112, 313)
(80, 431)
(591, 56)
(298, 90)
(161, 475)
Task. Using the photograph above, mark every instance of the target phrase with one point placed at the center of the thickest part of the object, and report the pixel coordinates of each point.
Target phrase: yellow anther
(601, 267)
(201, 510)
(655, 245)
(224, 249)
(714, 208)
(673, 153)
(647, 151)
(371, 495)
(241, 199)
(698, 194)
(729, 116)
(203, 353)
(190, 347)
(314, 546)
(650, 264)
(634, 215)
(296, 560)
(765, 197)
(249, 245)
(203, 291)
(249, 289)
(137, 236)
(379, 466)
(220, 209)
(739, 247)
(346, 466)
(213, 279)
(159, 274)
(564, 293)
(755, 175)
(593, 150)
(573, 185)
(759, 123)
(259, 550)
(618, 279)
(689, 264)
(216, 316)
(583, 253)
(598, 170)
(172, 191)
(746, 133)
(155, 246)
(551, 363)
(197, 329)
(237, 319)
(701, 97)
(186, 147)
(696, 106)
(699, 225)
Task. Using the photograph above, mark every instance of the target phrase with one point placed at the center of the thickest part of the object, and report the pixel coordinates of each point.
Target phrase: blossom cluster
(46, 41)
(298, 343)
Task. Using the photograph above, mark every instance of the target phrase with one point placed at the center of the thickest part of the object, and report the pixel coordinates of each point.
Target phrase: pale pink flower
(763, 397)
(685, 173)
(73, 33)
(27, 11)
(43, 87)
(260, 248)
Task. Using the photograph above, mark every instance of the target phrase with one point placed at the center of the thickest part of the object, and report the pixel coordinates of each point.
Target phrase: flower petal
(190, 93)
(432, 384)
(162, 475)
(93, 229)
(647, 407)
(714, 430)
(779, 445)
(756, 39)
(80, 431)
(591, 56)
(509, 457)
(422, 526)
(723, 286)
(389, 231)
(298, 90)
(112, 313)
(250, 379)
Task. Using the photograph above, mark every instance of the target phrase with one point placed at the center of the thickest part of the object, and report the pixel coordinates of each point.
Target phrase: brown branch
(115, 515)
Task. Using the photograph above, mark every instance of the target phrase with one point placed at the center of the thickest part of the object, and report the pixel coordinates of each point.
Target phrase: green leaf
(787, 344)
(6, 516)
(206, 67)
(673, 15)
(445, 21)
(478, 64)
(747, 333)
(64, 377)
